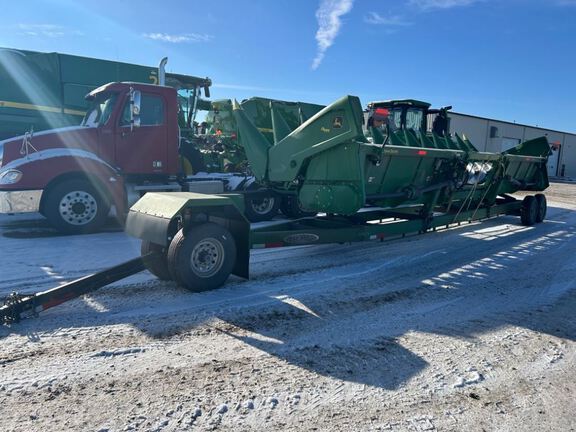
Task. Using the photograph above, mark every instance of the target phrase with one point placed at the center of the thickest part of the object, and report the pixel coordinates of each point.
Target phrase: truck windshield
(100, 110)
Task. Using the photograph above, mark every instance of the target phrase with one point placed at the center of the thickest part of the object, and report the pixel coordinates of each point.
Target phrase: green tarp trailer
(46, 90)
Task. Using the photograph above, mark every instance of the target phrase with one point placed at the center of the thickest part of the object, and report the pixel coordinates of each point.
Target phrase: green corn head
(334, 168)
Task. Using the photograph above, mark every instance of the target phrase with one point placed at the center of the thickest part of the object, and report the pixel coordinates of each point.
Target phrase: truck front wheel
(75, 207)
(202, 258)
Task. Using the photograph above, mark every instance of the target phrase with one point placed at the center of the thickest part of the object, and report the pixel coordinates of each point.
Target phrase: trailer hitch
(13, 306)
(18, 306)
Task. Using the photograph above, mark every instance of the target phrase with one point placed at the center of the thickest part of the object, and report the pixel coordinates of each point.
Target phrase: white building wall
(567, 164)
(476, 130)
(497, 136)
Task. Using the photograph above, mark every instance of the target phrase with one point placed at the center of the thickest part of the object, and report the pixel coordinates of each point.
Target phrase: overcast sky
(508, 59)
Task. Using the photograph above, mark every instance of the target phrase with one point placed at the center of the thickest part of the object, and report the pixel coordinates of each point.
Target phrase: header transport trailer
(401, 181)
(46, 90)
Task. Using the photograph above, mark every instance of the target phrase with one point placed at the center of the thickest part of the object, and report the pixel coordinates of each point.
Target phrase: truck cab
(137, 131)
(128, 142)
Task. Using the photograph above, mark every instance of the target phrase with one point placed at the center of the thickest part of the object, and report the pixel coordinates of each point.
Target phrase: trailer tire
(542, 207)
(529, 211)
(75, 207)
(261, 209)
(291, 208)
(158, 264)
(202, 258)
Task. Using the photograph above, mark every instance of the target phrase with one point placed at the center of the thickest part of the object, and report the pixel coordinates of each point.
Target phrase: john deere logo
(337, 122)
(325, 130)
(301, 239)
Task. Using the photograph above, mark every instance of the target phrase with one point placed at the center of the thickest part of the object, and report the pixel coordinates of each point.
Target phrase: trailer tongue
(19, 306)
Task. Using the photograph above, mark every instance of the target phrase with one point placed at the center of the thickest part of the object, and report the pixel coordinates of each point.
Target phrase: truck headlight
(10, 176)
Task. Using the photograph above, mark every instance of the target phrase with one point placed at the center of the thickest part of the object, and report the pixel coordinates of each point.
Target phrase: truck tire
(290, 207)
(75, 207)
(194, 158)
(263, 207)
(542, 207)
(529, 211)
(158, 264)
(202, 258)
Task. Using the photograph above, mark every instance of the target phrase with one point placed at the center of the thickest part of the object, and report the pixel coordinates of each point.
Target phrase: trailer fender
(158, 216)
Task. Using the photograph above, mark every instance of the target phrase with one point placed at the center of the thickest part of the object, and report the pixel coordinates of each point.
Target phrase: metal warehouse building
(496, 136)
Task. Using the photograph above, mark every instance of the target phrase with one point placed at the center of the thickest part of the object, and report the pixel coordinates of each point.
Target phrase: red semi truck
(129, 143)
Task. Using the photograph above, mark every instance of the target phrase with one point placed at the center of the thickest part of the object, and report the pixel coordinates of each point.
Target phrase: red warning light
(422, 152)
(381, 112)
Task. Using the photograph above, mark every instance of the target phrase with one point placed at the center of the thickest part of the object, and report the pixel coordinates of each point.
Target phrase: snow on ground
(470, 328)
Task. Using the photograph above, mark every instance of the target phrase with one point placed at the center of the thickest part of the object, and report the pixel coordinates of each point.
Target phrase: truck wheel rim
(78, 207)
(207, 257)
(263, 206)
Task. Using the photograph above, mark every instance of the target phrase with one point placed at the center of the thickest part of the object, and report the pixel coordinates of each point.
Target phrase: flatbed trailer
(377, 224)
(206, 238)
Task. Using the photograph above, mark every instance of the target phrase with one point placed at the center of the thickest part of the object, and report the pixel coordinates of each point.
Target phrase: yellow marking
(26, 106)
(323, 129)
(153, 78)
(74, 112)
(29, 106)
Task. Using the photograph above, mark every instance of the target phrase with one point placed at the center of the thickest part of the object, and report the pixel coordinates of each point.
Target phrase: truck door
(143, 150)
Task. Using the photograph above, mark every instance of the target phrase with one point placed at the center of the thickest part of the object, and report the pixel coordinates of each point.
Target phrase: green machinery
(47, 90)
(218, 137)
(402, 180)
(217, 146)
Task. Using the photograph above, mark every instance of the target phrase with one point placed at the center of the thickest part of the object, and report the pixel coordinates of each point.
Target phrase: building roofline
(511, 123)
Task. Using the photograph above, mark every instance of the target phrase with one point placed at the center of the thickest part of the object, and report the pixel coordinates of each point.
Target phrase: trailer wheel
(75, 207)
(158, 264)
(202, 258)
(263, 207)
(542, 207)
(529, 211)
(291, 208)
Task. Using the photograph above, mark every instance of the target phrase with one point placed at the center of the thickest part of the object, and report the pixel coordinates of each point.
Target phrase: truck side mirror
(207, 91)
(135, 100)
